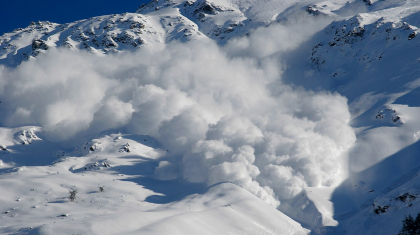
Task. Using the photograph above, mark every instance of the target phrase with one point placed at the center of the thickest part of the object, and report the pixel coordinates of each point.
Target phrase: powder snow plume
(222, 112)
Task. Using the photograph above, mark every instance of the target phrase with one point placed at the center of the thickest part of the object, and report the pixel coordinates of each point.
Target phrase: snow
(321, 197)
(213, 117)
(36, 199)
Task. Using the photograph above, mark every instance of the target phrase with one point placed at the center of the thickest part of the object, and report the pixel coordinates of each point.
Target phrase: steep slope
(371, 59)
(377, 199)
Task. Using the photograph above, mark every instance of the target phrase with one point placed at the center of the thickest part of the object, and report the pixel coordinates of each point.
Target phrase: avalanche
(213, 117)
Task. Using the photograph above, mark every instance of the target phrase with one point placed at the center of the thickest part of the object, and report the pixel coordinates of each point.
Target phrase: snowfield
(213, 117)
(132, 201)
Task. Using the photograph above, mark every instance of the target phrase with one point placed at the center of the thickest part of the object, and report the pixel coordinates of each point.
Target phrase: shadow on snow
(358, 192)
(142, 170)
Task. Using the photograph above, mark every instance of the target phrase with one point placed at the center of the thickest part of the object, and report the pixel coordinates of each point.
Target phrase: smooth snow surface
(211, 117)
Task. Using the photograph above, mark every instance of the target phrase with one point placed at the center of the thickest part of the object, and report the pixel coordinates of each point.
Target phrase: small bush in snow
(72, 195)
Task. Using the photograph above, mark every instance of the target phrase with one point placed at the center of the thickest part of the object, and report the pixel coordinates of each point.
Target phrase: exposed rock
(39, 44)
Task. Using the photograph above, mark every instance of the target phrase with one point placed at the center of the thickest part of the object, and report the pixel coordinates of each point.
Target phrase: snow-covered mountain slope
(371, 58)
(99, 35)
(116, 194)
(285, 99)
(159, 22)
(378, 198)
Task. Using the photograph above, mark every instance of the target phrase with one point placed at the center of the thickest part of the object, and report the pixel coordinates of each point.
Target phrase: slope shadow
(351, 197)
(167, 191)
(140, 166)
(37, 153)
(411, 98)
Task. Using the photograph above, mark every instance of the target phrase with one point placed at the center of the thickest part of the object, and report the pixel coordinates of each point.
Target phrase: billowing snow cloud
(223, 113)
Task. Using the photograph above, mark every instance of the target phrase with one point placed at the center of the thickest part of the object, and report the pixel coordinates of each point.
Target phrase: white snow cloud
(223, 113)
